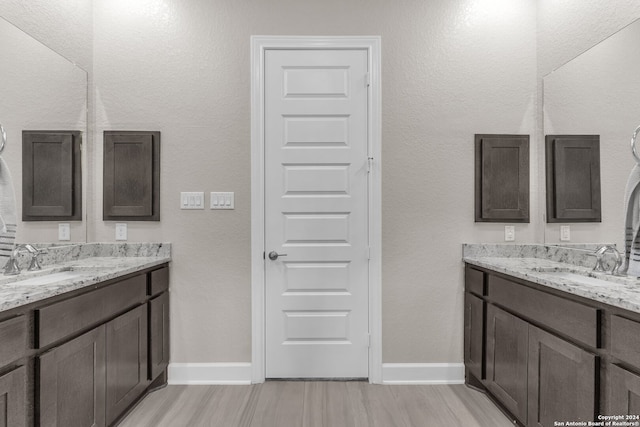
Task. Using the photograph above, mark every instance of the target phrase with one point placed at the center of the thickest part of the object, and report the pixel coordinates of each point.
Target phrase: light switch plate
(565, 233)
(192, 200)
(64, 231)
(222, 200)
(121, 231)
(509, 233)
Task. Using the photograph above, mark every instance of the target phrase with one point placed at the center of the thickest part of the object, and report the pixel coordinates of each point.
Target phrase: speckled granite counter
(538, 263)
(71, 267)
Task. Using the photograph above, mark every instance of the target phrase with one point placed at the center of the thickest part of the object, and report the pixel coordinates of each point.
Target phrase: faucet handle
(599, 253)
(618, 261)
(11, 268)
(34, 264)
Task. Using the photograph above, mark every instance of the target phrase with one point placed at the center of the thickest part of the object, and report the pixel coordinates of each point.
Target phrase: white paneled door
(316, 213)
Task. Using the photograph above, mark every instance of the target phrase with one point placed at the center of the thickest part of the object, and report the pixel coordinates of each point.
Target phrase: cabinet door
(13, 409)
(126, 360)
(474, 335)
(507, 338)
(624, 391)
(159, 335)
(72, 382)
(562, 380)
(51, 176)
(573, 178)
(131, 181)
(502, 178)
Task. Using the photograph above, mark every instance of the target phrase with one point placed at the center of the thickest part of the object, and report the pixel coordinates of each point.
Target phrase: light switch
(64, 231)
(565, 233)
(509, 233)
(222, 200)
(192, 200)
(121, 231)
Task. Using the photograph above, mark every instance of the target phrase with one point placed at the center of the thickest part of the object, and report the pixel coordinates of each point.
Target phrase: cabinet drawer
(159, 281)
(571, 318)
(474, 281)
(64, 318)
(625, 340)
(13, 336)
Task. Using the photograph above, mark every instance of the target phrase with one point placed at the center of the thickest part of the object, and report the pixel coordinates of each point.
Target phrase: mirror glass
(39, 90)
(598, 93)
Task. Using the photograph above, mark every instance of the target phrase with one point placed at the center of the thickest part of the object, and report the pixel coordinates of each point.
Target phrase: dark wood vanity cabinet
(474, 335)
(158, 335)
(126, 361)
(13, 374)
(623, 379)
(561, 381)
(13, 406)
(92, 353)
(624, 391)
(542, 352)
(72, 382)
(507, 348)
(158, 322)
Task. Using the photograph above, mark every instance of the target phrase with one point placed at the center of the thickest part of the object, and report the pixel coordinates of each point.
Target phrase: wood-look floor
(316, 404)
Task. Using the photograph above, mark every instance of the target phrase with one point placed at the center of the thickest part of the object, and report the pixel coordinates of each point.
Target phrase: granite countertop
(542, 266)
(73, 267)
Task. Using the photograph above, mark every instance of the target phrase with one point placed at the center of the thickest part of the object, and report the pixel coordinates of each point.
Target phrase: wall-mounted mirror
(39, 90)
(598, 93)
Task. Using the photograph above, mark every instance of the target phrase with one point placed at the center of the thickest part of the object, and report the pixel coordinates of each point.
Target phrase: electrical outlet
(509, 233)
(565, 233)
(64, 231)
(121, 231)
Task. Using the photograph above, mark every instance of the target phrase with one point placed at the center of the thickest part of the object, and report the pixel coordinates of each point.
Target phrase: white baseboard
(240, 373)
(209, 373)
(423, 373)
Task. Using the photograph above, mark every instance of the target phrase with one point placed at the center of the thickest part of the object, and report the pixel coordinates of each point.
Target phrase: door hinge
(369, 164)
(367, 79)
(264, 255)
(369, 340)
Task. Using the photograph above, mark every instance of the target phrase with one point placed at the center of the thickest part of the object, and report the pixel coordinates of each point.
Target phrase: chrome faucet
(12, 268)
(34, 264)
(599, 254)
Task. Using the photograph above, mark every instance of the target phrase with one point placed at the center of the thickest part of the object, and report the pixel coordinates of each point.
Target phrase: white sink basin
(49, 275)
(48, 279)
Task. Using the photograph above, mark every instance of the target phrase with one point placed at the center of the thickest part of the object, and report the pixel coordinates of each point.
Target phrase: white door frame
(259, 44)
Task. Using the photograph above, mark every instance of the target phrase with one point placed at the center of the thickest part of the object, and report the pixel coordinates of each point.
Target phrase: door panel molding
(259, 45)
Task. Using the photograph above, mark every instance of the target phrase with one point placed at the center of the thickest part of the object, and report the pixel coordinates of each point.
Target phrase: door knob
(273, 255)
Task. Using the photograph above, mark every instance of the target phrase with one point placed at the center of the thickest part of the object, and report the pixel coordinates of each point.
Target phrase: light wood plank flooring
(316, 404)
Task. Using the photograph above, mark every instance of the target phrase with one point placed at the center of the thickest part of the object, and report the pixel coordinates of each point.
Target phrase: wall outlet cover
(121, 231)
(509, 233)
(64, 231)
(565, 233)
